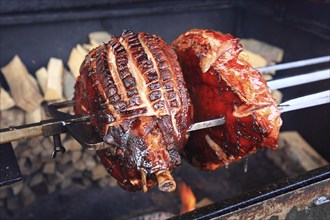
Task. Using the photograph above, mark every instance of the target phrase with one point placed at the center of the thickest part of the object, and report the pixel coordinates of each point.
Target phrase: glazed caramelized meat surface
(133, 89)
(222, 83)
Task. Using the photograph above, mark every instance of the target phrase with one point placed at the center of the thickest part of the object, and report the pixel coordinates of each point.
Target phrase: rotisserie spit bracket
(79, 126)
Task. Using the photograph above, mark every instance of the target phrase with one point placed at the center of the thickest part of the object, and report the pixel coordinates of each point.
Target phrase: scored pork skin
(133, 89)
(222, 83)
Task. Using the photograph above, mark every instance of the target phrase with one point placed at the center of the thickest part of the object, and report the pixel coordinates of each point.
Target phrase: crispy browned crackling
(133, 89)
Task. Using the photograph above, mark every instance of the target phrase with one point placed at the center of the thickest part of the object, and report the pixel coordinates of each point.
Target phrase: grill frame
(314, 184)
(20, 18)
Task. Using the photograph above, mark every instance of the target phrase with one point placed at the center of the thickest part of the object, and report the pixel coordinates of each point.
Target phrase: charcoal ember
(133, 89)
(222, 84)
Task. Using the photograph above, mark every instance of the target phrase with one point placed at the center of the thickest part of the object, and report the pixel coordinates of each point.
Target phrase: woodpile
(43, 175)
(22, 104)
(7, 101)
(23, 87)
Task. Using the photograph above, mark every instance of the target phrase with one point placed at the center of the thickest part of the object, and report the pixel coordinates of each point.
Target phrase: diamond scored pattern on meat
(133, 89)
(164, 72)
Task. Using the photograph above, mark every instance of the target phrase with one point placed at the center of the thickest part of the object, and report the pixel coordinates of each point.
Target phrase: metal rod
(299, 79)
(43, 128)
(306, 101)
(207, 124)
(17, 133)
(295, 64)
(291, 105)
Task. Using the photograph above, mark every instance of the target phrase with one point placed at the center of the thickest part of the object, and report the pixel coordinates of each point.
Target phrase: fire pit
(75, 184)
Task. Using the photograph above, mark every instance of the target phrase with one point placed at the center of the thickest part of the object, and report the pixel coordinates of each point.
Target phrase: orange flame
(188, 199)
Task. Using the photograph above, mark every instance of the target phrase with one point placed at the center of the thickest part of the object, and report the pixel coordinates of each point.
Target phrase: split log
(76, 58)
(277, 95)
(55, 179)
(81, 50)
(64, 158)
(112, 181)
(69, 171)
(47, 144)
(27, 153)
(42, 76)
(88, 47)
(11, 117)
(54, 89)
(68, 84)
(267, 76)
(14, 144)
(17, 187)
(75, 61)
(23, 87)
(254, 59)
(35, 146)
(23, 164)
(80, 165)
(66, 183)
(99, 37)
(6, 101)
(33, 117)
(27, 196)
(72, 145)
(76, 155)
(90, 163)
(49, 168)
(99, 172)
(36, 165)
(36, 180)
(295, 155)
(270, 52)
